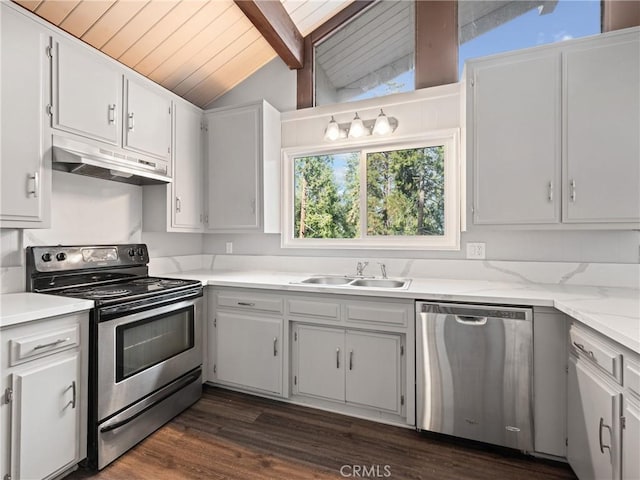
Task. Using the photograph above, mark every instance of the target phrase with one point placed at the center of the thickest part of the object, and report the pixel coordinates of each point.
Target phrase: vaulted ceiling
(198, 49)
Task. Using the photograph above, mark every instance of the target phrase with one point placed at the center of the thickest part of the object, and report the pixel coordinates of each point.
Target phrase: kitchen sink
(379, 283)
(328, 280)
(355, 282)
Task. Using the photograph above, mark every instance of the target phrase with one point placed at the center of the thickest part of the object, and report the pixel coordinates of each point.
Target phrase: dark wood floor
(228, 435)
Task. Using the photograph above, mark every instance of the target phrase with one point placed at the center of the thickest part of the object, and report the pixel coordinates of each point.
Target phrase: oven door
(142, 352)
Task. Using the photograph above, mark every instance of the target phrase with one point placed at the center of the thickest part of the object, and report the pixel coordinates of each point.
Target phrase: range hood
(84, 159)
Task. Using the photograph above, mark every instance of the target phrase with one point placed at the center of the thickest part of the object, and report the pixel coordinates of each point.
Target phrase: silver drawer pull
(471, 320)
(580, 347)
(602, 446)
(550, 192)
(73, 394)
(351, 360)
(275, 346)
(337, 357)
(36, 184)
(247, 304)
(112, 113)
(52, 344)
(132, 122)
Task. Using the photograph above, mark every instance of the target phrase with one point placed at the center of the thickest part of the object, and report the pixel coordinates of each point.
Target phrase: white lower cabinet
(603, 409)
(356, 367)
(248, 351)
(43, 410)
(594, 406)
(246, 338)
(631, 438)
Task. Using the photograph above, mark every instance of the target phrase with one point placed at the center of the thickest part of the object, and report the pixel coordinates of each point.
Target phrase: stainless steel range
(145, 347)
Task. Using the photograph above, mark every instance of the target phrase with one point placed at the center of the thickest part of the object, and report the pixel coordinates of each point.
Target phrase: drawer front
(379, 314)
(325, 310)
(26, 348)
(265, 303)
(632, 375)
(597, 351)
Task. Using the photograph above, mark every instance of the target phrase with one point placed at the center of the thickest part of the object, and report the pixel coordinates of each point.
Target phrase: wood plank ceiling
(198, 49)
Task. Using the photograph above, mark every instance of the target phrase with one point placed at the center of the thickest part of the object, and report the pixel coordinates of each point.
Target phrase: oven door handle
(179, 386)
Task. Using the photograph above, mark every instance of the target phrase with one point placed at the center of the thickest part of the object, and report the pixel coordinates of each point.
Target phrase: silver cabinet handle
(253, 206)
(351, 360)
(73, 392)
(602, 446)
(551, 191)
(178, 205)
(573, 190)
(275, 346)
(36, 184)
(337, 357)
(112, 113)
(580, 347)
(52, 344)
(247, 304)
(132, 122)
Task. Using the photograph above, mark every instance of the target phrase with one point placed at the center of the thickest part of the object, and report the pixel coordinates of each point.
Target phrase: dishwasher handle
(472, 320)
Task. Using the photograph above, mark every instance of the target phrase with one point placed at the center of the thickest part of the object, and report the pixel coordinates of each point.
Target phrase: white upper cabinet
(602, 122)
(187, 167)
(87, 93)
(244, 168)
(147, 120)
(516, 139)
(25, 156)
(553, 133)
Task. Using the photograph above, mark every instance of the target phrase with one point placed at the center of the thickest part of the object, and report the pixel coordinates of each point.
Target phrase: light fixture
(382, 126)
(357, 128)
(332, 131)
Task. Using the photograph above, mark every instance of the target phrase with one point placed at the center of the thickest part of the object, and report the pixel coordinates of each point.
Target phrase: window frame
(449, 138)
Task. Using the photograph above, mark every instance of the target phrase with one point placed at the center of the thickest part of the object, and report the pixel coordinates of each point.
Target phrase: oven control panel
(60, 258)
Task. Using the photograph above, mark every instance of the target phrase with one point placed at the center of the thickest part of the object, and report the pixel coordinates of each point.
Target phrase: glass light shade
(382, 126)
(333, 130)
(357, 127)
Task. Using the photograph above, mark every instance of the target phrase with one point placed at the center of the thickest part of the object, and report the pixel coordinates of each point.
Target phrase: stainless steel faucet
(360, 268)
(383, 270)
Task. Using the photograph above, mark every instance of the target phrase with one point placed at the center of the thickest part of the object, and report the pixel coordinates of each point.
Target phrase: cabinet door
(319, 362)
(187, 183)
(234, 156)
(147, 121)
(87, 93)
(602, 121)
(45, 436)
(374, 370)
(23, 95)
(249, 351)
(593, 407)
(515, 139)
(631, 439)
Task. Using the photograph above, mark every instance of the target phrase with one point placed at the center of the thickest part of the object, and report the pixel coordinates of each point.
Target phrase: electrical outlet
(476, 251)
(229, 247)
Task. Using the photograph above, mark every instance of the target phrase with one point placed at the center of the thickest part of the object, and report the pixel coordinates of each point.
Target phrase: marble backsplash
(563, 273)
(12, 279)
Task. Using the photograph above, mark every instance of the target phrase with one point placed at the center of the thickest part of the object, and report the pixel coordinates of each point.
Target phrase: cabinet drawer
(265, 303)
(378, 313)
(597, 351)
(25, 348)
(632, 375)
(326, 310)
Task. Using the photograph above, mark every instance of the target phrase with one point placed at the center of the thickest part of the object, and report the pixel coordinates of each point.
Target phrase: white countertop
(614, 312)
(17, 308)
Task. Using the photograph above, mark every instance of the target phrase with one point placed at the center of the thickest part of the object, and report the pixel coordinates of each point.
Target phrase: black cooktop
(125, 290)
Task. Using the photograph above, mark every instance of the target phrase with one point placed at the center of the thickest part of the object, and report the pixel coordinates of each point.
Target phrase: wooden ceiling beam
(275, 25)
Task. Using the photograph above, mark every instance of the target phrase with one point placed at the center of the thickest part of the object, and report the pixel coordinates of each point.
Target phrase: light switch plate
(476, 251)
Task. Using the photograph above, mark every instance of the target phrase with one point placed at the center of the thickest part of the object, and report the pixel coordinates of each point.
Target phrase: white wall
(424, 110)
(274, 82)
(86, 210)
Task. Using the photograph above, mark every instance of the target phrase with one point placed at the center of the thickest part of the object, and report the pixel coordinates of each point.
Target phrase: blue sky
(570, 19)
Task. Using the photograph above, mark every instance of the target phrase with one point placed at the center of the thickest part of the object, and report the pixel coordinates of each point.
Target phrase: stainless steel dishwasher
(474, 372)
